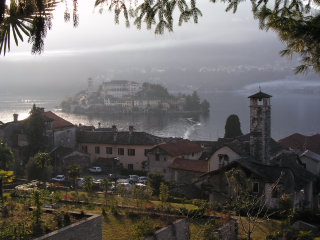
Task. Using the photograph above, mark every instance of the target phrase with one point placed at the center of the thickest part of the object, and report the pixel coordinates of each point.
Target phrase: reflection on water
(290, 113)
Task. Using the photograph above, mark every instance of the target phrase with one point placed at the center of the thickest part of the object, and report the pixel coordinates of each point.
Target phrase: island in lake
(126, 97)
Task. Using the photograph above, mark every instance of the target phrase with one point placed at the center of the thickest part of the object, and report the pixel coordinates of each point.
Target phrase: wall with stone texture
(90, 228)
(179, 230)
(229, 231)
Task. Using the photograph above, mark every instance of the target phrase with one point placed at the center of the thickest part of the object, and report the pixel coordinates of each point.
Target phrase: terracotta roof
(301, 142)
(260, 95)
(190, 165)
(58, 122)
(180, 147)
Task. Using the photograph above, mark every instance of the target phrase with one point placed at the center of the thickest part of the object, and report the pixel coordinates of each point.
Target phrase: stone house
(185, 171)
(62, 157)
(15, 134)
(262, 160)
(64, 132)
(311, 161)
(129, 147)
(164, 155)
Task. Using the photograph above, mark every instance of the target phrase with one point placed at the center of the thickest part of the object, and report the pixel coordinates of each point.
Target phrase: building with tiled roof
(185, 171)
(129, 147)
(262, 160)
(311, 161)
(64, 132)
(200, 166)
(58, 122)
(180, 147)
(301, 142)
(164, 155)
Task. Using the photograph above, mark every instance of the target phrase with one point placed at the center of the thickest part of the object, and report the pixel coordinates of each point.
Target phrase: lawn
(119, 226)
(262, 230)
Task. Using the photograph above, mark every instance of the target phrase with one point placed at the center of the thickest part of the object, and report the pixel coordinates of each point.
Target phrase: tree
(6, 157)
(232, 127)
(164, 193)
(246, 203)
(192, 102)
(38, 198)
(87, 183)
(105, 184)
(295, 23)
(73, 172)
(36, 131)
(155, 179)
(42, 160)
(142, 229)
(39, 167)
(205, 106)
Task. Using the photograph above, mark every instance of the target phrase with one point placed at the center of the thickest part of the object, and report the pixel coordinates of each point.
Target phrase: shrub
(58, 219)
(114, 210)
(66, 219)
(103, 212)
(143, 228)
(305, 235)
(208, 232)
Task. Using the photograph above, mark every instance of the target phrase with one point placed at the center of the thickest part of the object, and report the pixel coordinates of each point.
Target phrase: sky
(223, 51)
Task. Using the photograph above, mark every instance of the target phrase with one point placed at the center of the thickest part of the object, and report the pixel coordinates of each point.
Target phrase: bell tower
(260, 127)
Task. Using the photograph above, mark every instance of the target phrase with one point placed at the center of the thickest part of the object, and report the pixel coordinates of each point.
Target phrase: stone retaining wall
(89, 228)
(179, 230)
(228, 231)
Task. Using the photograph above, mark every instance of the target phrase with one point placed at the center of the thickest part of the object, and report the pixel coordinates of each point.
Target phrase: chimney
(99, 124)
(15, 117)
(131, 129)
(115, 133)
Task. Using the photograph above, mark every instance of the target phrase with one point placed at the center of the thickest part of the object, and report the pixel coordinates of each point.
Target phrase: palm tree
(42, 160)
(73, 172)
(30, 18)
(106, 184)
(6, 157)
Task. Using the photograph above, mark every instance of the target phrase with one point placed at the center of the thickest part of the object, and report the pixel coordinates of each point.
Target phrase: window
(255, 187)
(146, 152)
(164, 159)
(97, 149)
(223, 160)
(130, 166)
(131, 152)
(108, 150)
(84, 149)
(157, 157)
(120, 151)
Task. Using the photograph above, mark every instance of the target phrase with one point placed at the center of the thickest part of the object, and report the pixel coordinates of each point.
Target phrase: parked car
(143, 179)
(133, 178)
(114, 176)
(122, 180)
(80, 182)
(126, 186)
(97, 181)
(141, 185)
(95, 169)
(59, 178)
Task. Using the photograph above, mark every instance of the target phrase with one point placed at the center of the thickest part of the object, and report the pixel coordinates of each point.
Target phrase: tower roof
(260, 95)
